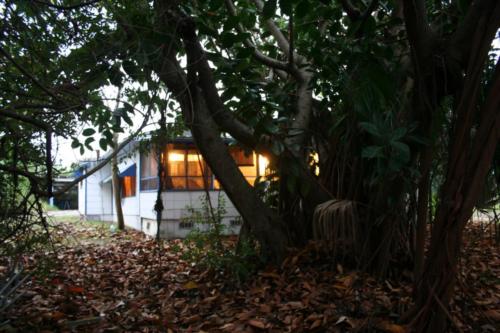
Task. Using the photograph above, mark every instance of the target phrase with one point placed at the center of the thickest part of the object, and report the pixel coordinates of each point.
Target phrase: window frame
(186, 147)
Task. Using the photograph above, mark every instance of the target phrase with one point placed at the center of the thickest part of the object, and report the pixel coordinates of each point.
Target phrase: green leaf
(103, 143)
(88, 132)
(269, 9)
(89, 141)
(115, 76)
(270, 127)
(228, 39)
(370, 128)
(302, 9)
(402, 150)
(398, 133)
(372, 152)
(127, 119)
(277, 147)
(130, 68)
(75, 143)
(286, 7)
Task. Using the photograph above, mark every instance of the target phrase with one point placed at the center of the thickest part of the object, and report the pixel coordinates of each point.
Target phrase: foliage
(384, 95)
(207, 244)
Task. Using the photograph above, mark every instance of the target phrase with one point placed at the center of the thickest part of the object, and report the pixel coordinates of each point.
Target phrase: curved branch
(278, 35)
(266, 60)
(60, 7)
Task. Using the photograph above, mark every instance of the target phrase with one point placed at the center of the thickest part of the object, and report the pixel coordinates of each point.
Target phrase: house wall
(93, 197)
(107, 202)
(81, 197)
(175, 216)
(138, 211)
(130, 205)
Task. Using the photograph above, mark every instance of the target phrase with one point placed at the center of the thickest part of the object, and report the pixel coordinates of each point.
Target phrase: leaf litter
(126, 282)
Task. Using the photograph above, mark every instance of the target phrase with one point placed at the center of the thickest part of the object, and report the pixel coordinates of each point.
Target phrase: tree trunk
(263, 222)
(116, 188)
(424, 188)
(159, 200)
(160, 145)
(468, 166)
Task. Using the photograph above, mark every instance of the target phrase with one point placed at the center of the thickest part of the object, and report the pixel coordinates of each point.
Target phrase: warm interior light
(263, 164)
(175, 157)
(315, 161)
(192, 157)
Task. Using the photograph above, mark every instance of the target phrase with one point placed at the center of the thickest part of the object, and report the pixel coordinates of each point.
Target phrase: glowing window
(128, 186)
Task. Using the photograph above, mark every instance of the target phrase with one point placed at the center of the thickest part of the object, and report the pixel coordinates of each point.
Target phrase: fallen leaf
(190, 285)
(493, 314)
(390, 327)
(256, 323)
(75, 289)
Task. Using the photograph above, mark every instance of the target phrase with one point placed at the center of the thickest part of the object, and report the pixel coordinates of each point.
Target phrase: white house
(186, 181)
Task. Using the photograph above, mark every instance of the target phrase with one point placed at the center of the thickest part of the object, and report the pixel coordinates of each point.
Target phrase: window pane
(176, 166)
(128, 186)
(196, 183)
(194, 163)
(149, 184)
(175, 183)
(149, 170)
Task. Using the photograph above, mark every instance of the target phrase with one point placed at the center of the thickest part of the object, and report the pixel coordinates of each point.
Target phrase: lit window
(186, 169)
(128, 186)
(176, 169)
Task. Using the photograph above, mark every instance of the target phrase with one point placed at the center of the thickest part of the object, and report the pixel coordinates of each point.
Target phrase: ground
(100, 281)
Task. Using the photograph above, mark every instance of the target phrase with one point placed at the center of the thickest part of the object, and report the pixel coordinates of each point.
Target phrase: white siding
(81, 197)
(176, 211)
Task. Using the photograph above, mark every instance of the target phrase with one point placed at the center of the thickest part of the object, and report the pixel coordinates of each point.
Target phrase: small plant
(207, 245)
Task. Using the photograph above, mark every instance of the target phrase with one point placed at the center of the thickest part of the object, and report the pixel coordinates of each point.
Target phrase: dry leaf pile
(130, 284)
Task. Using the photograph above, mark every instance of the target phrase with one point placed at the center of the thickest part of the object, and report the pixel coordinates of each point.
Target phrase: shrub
(207, 245)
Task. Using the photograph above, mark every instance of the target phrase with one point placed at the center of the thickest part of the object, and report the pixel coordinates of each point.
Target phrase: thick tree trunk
(468, 166)
(116, 188)
(263, 222)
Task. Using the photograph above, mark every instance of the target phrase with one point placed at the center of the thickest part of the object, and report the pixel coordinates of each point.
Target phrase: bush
(208, 246)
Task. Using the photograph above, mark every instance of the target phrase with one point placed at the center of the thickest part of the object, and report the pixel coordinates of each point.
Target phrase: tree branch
(60, 7)
(266, 60)
(419, 33)
(29, 120)
(226, 120)
(22, 70)
(104, 161)
(16, 171)
(351, 11)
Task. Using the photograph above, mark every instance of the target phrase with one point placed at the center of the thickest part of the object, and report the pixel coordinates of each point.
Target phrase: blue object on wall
(130, 171)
